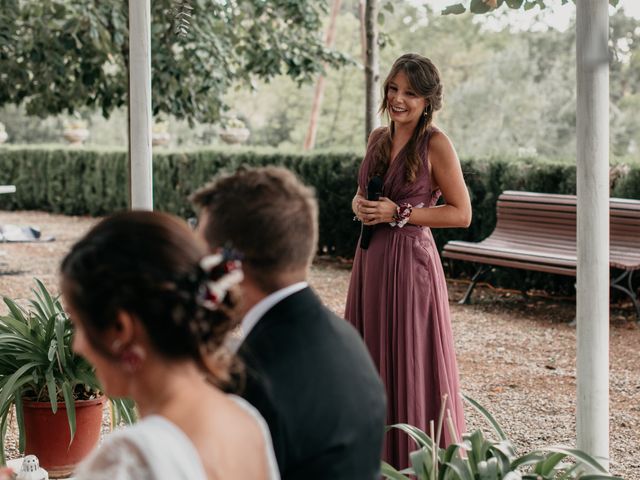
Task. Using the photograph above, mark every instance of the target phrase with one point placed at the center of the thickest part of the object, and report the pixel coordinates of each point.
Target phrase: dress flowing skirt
(398, 301)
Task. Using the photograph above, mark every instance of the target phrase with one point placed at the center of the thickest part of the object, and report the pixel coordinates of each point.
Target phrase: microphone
(374, 190)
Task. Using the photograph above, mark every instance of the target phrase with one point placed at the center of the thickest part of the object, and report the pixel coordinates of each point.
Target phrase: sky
(557, 16)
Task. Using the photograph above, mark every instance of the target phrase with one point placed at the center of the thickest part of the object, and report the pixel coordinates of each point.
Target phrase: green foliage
(508, 93)
(38, 363)
(76, 53)
(505, 92)
(78, 182)
(485, 6)
(477, 457)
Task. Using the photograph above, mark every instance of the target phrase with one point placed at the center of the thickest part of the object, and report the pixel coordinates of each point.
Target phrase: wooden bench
(537, 231)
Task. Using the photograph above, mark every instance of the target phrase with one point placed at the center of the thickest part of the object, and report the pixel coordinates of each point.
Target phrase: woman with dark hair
(151, 313)
(398, 295)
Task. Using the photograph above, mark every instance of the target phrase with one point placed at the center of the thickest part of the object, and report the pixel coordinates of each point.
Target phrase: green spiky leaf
(69, 403)
(391, 473)
(485, 413)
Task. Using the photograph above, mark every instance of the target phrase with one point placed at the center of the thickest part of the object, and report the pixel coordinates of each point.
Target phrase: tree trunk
(371, 66)
(363, 32)
(310, 139)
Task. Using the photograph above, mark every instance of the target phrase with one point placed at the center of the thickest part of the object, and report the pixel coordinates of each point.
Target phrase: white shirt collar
(258, 311)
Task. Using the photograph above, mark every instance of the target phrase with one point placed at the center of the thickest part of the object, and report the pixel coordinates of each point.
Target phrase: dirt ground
(517, 356)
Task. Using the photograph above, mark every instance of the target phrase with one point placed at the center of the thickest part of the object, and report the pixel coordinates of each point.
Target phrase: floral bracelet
(403, 212)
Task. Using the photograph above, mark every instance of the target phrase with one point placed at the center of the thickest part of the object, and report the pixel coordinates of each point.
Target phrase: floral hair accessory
(209, 262)
(222, 272)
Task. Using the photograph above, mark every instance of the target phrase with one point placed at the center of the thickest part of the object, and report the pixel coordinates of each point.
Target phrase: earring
(115, 346)
(426, 111)
(132, 358)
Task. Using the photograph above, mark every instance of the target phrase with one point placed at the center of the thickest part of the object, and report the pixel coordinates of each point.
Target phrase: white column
(592, 33)
(141, 172)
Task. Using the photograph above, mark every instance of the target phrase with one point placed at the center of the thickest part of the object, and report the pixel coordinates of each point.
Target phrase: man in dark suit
(307, 370)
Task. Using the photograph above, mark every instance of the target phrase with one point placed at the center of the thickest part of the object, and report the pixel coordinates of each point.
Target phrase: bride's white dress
(156, 449)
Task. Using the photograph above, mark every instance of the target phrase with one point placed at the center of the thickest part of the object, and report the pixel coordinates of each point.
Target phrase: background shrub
(95, 182)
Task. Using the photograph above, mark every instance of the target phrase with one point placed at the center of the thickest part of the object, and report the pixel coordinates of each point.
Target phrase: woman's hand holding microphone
(372, 212)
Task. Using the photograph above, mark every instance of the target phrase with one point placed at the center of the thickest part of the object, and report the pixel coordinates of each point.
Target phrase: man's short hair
(266, 214)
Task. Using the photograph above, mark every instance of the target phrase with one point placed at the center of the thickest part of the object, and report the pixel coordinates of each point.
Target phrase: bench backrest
(545, 217)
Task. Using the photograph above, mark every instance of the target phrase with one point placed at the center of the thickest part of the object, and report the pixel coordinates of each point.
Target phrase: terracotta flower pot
(48, 436)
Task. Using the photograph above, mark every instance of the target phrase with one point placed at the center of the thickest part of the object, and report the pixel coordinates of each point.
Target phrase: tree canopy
(484, 6)
(60, 55)
(504, 91)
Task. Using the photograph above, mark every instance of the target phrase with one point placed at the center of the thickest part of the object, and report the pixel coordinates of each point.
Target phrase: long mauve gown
(398, 302)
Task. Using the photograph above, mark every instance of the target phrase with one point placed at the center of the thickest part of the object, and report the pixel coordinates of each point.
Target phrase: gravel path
(516, 356)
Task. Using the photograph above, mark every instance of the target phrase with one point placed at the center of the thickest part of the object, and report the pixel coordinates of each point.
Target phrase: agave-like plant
(475, 457)
(38, 363)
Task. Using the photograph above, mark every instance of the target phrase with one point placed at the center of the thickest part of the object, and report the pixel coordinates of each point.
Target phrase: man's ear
(203, 221)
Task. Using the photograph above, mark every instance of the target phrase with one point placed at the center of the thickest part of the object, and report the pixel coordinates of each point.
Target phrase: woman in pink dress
(398, 294)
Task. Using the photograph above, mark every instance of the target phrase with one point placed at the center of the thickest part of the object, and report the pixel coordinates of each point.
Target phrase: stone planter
(234, 135)
(75, 136)
(160, 139)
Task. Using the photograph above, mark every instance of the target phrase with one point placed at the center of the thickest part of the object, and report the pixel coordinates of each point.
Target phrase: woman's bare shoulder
(376, 134)
(440, 146)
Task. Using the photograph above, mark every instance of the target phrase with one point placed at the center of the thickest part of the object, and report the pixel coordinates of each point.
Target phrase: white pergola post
(141, 171)
(592, 33)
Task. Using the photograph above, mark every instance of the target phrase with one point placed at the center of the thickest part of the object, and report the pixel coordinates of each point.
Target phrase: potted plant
(57, 397)
(234, 131)
(475, 457)
(75, 131)
(160, 135)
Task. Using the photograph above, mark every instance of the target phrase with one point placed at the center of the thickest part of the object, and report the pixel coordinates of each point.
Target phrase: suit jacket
(312, 379)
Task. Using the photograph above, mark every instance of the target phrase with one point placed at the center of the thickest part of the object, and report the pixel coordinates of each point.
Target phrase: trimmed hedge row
(88, 182)
(79, 182)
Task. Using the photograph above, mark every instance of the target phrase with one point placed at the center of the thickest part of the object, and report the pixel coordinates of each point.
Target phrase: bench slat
(501, 262)
(617, 254)
(537, 255)
(543, 263)
(527, 244)
(546, 229)
(619, 235)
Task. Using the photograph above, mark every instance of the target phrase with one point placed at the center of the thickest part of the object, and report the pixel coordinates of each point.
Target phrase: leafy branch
(182, 14)
(485, 6)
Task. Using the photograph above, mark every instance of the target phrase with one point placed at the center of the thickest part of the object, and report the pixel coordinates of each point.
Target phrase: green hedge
(94, 182)
(79, 182)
